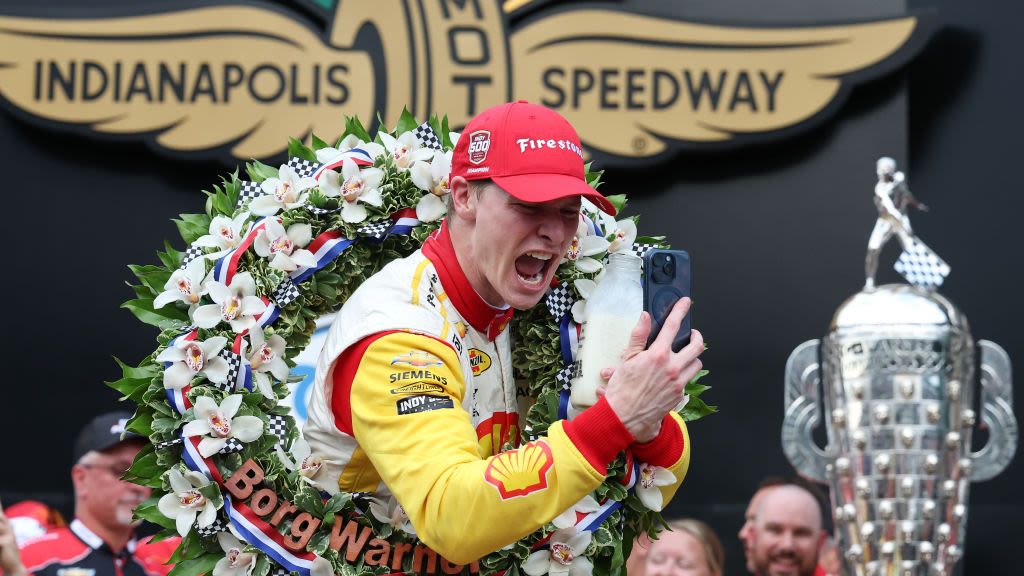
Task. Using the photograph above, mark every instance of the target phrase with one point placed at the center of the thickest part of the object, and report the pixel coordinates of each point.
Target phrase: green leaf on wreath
(201, 565)
(317, 144)
(258, 171)
(297, 149)
(355, 126)
(143, 309)
(406, 122)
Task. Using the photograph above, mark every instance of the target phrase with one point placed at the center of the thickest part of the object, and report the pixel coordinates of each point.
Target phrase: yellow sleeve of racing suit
(425, 449)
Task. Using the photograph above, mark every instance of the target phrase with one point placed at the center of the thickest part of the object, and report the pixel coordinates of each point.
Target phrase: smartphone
(666, 279)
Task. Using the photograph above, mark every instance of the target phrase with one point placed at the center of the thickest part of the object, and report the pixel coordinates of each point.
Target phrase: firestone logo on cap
(479, 144)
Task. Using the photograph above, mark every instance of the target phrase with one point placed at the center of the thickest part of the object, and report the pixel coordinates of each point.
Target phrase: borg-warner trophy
(899, 388)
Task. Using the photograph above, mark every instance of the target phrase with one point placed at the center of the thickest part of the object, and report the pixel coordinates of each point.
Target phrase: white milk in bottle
(612, 312)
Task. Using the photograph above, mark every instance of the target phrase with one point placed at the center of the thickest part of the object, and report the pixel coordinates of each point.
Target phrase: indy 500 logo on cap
(479, 144)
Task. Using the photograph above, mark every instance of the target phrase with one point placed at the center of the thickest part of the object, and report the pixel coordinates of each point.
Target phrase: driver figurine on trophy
(892, 198)
(899, 373)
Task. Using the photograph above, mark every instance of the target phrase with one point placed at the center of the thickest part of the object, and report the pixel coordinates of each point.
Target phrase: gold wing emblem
(234, 77)
(633, 84)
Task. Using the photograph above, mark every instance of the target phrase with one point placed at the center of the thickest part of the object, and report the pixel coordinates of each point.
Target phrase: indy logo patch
(479, 145)
(423, 403)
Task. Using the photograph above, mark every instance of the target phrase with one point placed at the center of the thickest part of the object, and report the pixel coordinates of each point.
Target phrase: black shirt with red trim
(78, 551)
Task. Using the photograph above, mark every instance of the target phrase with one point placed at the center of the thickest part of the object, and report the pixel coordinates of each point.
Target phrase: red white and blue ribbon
(226, 267)
(254, 530)
(594, 519)
(243, 378)
(176, 397)
(358, 155)
(569, 343)
(325, 248)
(405, 221)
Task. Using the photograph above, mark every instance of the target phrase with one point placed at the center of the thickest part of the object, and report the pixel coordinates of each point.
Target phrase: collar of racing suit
(482, 316)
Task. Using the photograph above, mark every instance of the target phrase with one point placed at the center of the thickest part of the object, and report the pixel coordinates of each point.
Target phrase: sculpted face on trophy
(900, 395)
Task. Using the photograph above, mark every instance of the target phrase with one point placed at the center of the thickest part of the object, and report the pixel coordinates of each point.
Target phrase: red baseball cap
(529, 150)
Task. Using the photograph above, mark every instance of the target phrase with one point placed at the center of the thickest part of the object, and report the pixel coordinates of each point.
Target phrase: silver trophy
(899, 389)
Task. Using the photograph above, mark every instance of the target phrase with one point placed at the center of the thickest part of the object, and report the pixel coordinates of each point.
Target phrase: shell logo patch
(479, 361)
(417, 359)
(520, 472)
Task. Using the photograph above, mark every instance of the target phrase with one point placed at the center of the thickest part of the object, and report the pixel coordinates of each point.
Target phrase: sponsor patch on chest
(479, 361)
(423, 403)
(418, 388)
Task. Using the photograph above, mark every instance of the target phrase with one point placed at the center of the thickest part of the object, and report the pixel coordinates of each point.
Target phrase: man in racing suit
(414, 396)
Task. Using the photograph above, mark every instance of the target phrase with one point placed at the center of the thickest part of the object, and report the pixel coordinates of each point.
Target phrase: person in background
(688, 548)
(750, 515)
(787, 533)
(101, 540)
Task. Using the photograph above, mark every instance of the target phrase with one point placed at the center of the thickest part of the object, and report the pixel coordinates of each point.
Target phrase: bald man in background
(787, 533)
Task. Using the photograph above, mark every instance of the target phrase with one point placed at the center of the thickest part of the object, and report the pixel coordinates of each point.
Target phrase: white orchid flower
(225, 235)
(218, 424)
(565, 555)
(185, 502)
(235, 562)
(625, 235)
(568, 518)
(432, 178)
(184, 285)
(454, 137)
(236, 304)
(649, 482)
(267, 356)
(285, 247)
(405, 150)
(585, 287)
(329, 154)
(321, 567)
(301, 459)
(583, 246)
(286, 191)
(392, 513)
(354, 186)
(191, 358)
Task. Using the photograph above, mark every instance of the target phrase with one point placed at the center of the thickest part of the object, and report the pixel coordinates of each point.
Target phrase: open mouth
(532, 266)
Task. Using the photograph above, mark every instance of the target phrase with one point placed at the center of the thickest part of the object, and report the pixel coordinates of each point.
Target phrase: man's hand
(10, 560)
(650, 383)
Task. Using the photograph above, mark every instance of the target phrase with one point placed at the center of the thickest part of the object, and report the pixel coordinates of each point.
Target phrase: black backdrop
(777, 234)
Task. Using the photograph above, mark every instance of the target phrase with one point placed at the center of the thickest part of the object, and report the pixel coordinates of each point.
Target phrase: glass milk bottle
(612, 312)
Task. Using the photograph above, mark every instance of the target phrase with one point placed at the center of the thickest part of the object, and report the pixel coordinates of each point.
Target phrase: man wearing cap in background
(101, 539)
(399, 410)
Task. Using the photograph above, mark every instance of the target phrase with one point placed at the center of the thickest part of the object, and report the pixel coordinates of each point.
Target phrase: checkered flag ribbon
(211, 531)
(427, 137)
(559, 300)
(278, 571)
(321, 211)
(302, 167)
(921, 266)
(566, 374)
(168, 444)
(278, 426)
(247, 191)
(191, 253)
(234, 366)
(286, 292)
(376, 230)
(641, 249)
(232, 446)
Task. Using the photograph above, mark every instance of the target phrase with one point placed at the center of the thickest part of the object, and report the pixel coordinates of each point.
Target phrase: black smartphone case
(661, 292)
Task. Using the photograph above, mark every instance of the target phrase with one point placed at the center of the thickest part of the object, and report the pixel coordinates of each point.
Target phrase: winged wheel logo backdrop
(236, 81)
